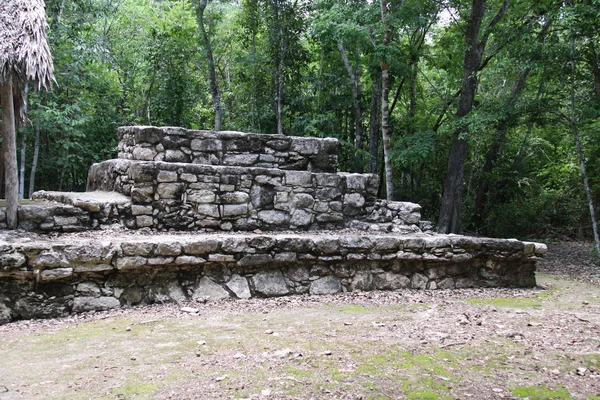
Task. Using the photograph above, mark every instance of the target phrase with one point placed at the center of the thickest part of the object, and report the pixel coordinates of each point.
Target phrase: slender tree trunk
(575, 131)
(23, 154)
(450, 210)
(593, 62)
(374, 123)
(385, 112)
(10, 154)
(212, 75)
(34, 161)
(356, 99)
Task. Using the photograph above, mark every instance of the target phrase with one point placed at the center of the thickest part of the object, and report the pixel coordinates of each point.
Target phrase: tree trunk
(593, 62)
(385, 112)
(22, 166)
(212, 75)
(356, 98)
(573, 125)
(34, 161)
(10, 154)
(374, 123)
(450, 210)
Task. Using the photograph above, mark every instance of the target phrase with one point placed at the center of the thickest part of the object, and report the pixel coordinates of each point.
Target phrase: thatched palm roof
(24, 52)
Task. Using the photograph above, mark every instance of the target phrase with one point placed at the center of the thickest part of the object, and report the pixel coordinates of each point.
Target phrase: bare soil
(541, 343)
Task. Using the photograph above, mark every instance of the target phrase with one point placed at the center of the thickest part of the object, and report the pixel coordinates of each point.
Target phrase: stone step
(174, 144)
(73, 273)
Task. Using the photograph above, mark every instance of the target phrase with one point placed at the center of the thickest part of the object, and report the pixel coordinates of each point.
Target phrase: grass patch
(540, 393)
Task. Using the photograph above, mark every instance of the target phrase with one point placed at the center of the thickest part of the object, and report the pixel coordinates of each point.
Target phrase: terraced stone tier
(191, 197)
(173, 144)
(70, 274)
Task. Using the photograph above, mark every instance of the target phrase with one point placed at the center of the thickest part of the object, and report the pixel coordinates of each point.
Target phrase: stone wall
(56, 278)
(182, 196)
(171, 144)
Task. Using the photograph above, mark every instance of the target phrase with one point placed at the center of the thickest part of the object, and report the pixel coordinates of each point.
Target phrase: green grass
(540, 393)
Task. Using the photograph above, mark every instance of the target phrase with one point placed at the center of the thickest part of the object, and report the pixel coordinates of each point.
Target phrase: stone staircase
(195, 215)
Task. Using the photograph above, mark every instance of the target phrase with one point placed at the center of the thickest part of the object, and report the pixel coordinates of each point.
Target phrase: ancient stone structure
(242, 194)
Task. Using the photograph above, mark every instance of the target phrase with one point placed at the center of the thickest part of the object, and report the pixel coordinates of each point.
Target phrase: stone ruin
(214, 215)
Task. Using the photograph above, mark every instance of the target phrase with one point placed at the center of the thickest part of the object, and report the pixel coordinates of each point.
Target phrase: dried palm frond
(24, 52)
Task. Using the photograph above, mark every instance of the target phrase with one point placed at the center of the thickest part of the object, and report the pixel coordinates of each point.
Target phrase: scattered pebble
(582, 371)
(269, 331)
(190, 310)
(221, 378)
(133, 358)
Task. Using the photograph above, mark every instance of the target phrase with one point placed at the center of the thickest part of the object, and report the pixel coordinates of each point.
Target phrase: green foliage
(142, 62)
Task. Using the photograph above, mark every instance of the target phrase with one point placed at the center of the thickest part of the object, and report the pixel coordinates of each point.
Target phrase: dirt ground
(541, 343)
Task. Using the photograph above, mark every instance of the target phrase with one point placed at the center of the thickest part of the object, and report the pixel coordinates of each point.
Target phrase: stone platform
(74, 273)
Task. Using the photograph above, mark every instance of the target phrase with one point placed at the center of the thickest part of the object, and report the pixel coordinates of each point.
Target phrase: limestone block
(304, 146)
(273, 217)
(167, 292)
(144, 221)
(189, 260)
(301, 218)
(285, 257)
(188, 177)
(279, 145)
(206, 145)
(55, 274)
(142, 195)
(234, 210)
(331, 180)
(418, 281)
(363, 281)
(263, 196)
(124, 263)
(298, 178)
(327, 244)
(356, 242)
(11, 260)
(202, 196)
(207, 289)
(328, 193)
(137, 248)
(270, 283)
(48, 258)
(144, 153)
(168, 249)
(166, 176)
(89, 289)
(446, 283)
(142, 172)
(175, 156)
(326, 285)
(162, 261)
(355, 183)
(141, 210)
(235, 198)
(244, 160)
(239, 286)
(82, 304)
(221, 258)
(354, 200)
(210, 210)
(390, 281)
(64, 221)
(234, 245)
(298, 273)
(170, 190)
(262, 243)
(206, 245)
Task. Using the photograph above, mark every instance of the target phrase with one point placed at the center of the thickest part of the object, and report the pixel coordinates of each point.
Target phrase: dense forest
(484, 112)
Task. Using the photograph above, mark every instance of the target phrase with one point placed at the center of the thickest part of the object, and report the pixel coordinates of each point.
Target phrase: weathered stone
(166, 293)
(210, 210)
(274, 217)
(418, 281)
(298, 273)
(167, 176)
(49, 258)
(239, 286)
(206, 145)
(301, 218)
(82, 304)
(201, 196)
(221, 258)
(144, 221)
(130, 262)
(175, 156)
(390, 281)
(88, 289)
(298, 178)
(142, 195)
(141, 210)
(270, 283)
(234, 210)
(144, 153)
(55, 274)
(207, 289)
(326, 285)
(12, 260)
(363, 281)
(235, 198)
(244, 160)
(189, 260)
(170, 190)
(137, 248)
(168, 249)
(262, 243)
